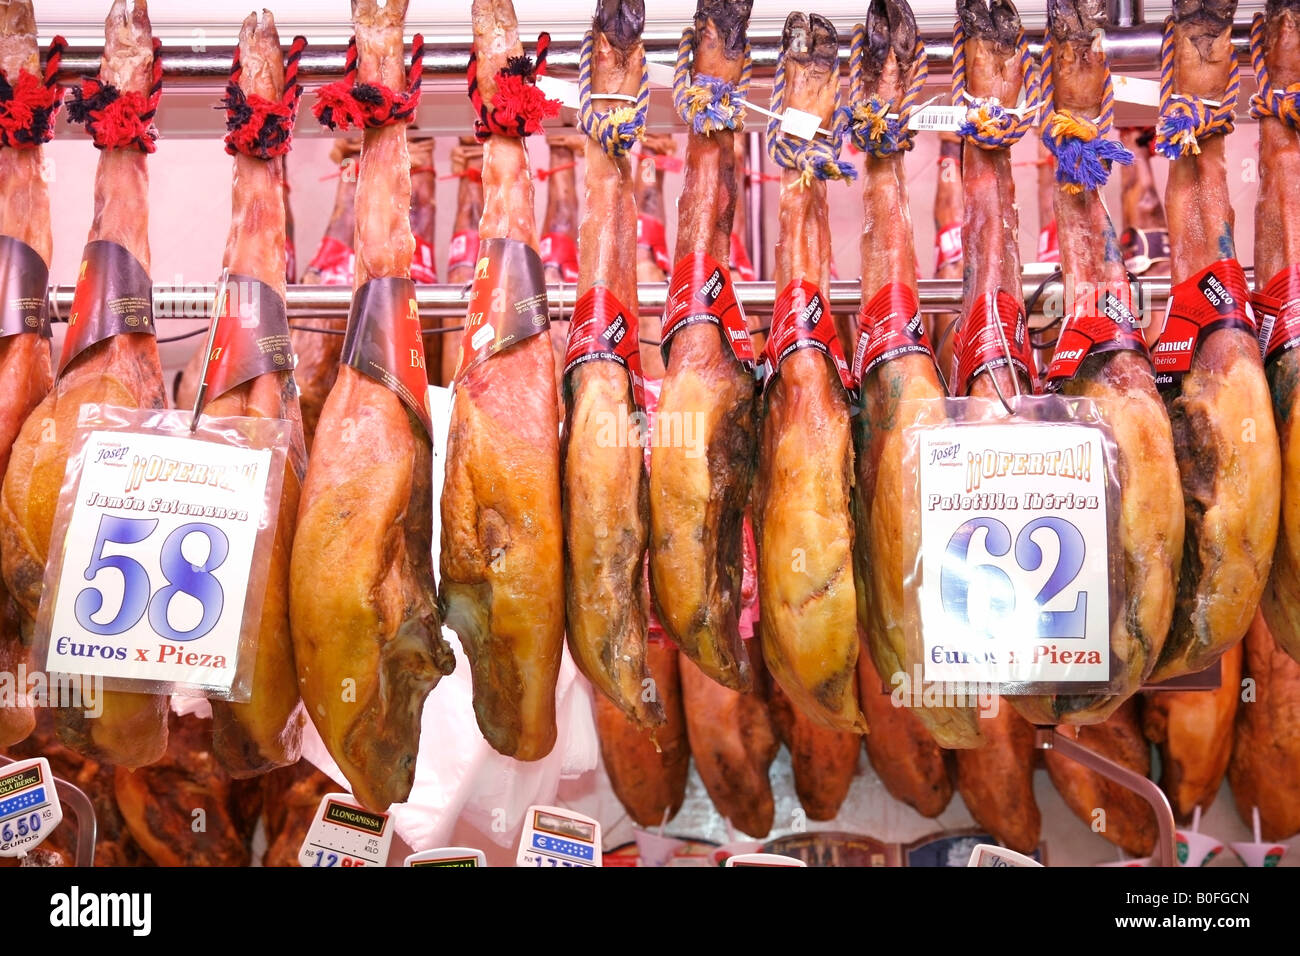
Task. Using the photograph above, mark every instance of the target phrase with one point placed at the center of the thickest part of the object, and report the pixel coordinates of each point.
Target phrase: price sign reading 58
(1014, 553)
(157, 553)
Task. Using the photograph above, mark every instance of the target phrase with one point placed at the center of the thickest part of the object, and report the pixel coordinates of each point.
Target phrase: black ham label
(740, 260)
(1049, 249)
(947, 246)
(1215, 298)
(1143, 248)
(602, 329)
(23, 278)
(889, 326)
(1102, 323)
(1277, 307)
(335, 262)
(252, 336)
(507, 302)
(114, 296)
(423, 268)
(462, 251)
(560, 252)
(802, 320)
(994, 331)
(650, 234)
(701, 291)
(383, 342)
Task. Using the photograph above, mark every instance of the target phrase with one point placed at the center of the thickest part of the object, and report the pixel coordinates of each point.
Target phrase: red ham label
(1143, 248)
(462, 252)
(602, 329)
(740, 260)
(802, 320)
(1278, 308)
(993, 325)
(1048, 249)
(947, 246)
(384, 343)
(290, 261)
(700, 291)
(890, 326)
(114, 296)
(507, 302)
(1215, 298)
(650, 234)
(23, 280)
(335, 263)
(559, 251)
(1101, 323)
(252, 336)
(423, 268)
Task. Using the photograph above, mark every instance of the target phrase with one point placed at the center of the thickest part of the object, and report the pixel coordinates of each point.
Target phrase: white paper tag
(566, 91)
(763, 859)
(29, 806)
(344, 833)
(556, 837)
(988, 854)
(1135, 89)
(1014, 559)
(798, 123)
(455, 856)
(156, 559)
(660, 74)
(938, 118)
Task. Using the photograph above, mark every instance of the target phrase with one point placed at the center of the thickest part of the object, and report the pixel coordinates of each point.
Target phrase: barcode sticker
(1135, 89)
(938, 119)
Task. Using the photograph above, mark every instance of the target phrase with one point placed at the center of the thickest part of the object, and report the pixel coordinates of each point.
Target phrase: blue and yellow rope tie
(1083, 153)
(617, 130)
(706, 103)
(1185, 120)
(989, 124)
(870, 126)
(1268, 101)
(815, 158)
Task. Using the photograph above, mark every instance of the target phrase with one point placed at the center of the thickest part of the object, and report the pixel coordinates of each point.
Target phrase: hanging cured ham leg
(1265, 767)
(558, 245)
(605, 483)
(103, 364)
(26, 244)
(266, 731)
(1275, 45)
(824, 761)
(1207, 361)
(802, 495)
(949, 261)
(424, 209)
(502, 534)
(701, 461)
(1193, 729)
(362, 602)
(462, 250)
(1101, 355)
(889, 325)
(652, 261)
(996, 781)
(1128, 820)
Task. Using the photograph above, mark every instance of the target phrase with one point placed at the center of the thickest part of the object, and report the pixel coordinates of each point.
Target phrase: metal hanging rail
(450, 301)
(1128, 48)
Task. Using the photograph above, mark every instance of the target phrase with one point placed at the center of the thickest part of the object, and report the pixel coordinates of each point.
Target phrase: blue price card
(29, 806)
(554, 837)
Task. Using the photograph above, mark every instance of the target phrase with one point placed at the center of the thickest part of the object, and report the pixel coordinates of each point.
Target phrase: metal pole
(754, 207)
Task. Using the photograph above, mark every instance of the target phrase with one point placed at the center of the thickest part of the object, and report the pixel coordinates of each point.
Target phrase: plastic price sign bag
(1013, 551)
(344, 833)
(29, 806)
(159, 554)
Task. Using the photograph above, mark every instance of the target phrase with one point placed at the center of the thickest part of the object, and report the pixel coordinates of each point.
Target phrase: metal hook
(1006, 351)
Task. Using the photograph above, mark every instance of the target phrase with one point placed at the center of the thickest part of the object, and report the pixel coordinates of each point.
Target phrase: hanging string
(706, 103)
(544, 174)
(117, 120)
(1283, 105)
(989, 124)
(816, 158)
(1184, 120)
(617, 130)
(519, 106)
(872, 128)
(256, 126)
(472, 173)
(30, 104)
(1083, 153)
(347, 104)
